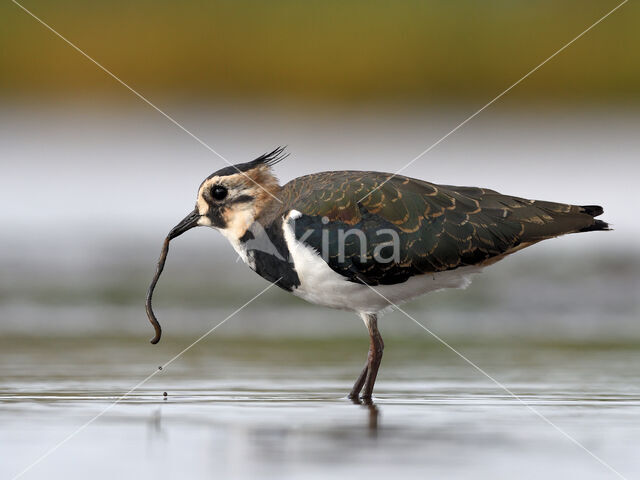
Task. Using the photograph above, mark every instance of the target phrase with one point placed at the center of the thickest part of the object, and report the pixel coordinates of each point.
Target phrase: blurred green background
(332, 51)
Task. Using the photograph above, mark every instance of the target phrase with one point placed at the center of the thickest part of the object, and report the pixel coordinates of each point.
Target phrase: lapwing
(365, 241)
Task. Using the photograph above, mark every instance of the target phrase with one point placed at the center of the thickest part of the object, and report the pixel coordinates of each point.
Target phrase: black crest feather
(268, 159)
(271, 158)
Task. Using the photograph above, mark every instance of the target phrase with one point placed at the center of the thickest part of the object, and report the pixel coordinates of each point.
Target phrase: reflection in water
(374, 413)
(155, 424)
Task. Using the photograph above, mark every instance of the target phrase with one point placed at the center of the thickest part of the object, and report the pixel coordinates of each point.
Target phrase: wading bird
(365, 241)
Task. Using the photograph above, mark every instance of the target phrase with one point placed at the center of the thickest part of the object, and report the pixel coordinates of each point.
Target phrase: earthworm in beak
(187, 223)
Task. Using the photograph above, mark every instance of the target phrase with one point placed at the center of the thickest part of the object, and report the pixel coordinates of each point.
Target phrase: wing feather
(435, 227)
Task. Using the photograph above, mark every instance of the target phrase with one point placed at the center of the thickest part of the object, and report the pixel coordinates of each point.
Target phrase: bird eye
(218, 192)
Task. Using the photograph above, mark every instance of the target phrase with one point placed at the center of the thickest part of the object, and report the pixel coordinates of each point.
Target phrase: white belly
(321, 285)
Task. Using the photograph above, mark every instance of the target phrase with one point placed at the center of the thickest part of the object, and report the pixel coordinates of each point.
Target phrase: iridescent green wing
(410, 227)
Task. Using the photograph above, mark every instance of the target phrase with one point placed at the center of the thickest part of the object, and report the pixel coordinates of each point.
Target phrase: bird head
(231, 198)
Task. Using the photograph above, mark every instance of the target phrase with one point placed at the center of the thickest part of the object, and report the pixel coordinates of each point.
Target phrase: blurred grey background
(89, 191)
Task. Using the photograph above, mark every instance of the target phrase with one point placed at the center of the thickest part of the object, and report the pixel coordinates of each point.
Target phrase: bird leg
(367, 377)
(355, 391)
(374, 357)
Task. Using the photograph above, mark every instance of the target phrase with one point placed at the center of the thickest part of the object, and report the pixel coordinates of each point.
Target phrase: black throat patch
(269, 255)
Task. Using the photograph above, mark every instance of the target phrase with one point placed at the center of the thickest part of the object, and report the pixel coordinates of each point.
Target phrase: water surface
(241, 408)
